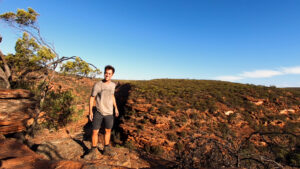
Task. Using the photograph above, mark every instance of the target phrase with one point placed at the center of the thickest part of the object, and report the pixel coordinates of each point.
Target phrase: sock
(94, 147)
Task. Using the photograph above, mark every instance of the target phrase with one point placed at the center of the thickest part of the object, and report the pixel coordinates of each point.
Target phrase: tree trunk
(6, 73)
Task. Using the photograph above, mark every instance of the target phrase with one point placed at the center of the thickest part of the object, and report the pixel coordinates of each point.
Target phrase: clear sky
(245, 41)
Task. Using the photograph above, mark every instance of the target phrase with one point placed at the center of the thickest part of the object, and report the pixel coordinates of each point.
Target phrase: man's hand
(91, 116)
(117, 113)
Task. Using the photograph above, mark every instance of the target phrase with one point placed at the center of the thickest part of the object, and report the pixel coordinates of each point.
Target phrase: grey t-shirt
(104, 97)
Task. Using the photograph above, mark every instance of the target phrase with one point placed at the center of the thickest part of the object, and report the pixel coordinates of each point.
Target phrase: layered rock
(16, 108)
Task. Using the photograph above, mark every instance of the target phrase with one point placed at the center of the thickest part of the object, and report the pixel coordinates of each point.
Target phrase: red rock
(15, 93)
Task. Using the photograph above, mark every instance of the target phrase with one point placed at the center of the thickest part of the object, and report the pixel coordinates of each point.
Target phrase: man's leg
(107, 136)
(109, 120)
(97, 120)
(95, 138)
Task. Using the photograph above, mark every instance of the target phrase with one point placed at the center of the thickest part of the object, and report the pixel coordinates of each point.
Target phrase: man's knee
(107, 131)
(95, 132)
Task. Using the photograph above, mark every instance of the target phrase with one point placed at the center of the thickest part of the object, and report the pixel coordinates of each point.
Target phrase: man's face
(108, 74)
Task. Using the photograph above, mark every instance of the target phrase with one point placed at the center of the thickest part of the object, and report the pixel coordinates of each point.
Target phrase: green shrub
(293, 159)
(172, 125)
(172, 136)
(129, 145)
(194, 116)
(60, 109)
(147, 148)
(140, 126)
(156, 150)
(181, 134)
(179, 146)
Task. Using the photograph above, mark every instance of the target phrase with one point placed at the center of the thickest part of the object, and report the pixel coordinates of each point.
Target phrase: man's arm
(92, 100)
(115, 105)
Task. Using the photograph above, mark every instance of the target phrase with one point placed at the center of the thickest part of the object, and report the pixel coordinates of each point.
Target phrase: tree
(33, 53)
(36, 57)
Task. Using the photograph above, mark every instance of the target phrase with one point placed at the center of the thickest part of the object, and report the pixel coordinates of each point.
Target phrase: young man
(103, 92)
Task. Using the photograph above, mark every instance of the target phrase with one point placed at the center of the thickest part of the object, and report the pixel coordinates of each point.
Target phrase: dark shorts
(97, 120)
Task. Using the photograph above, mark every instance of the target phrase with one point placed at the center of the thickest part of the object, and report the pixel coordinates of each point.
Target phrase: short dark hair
(109, 67)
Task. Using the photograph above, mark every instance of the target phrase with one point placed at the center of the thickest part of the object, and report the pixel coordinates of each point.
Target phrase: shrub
(147, 148)
(129, 145)
(140, 126)
(179, 146)
(59, 108)
(181, 134)
(172, 125)
(156, 150)
(194, 116)
(172, 136)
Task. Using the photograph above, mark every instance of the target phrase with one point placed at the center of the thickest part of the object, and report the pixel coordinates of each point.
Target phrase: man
(103, 93)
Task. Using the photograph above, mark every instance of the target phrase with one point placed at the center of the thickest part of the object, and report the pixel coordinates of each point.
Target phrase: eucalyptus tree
(36, 58)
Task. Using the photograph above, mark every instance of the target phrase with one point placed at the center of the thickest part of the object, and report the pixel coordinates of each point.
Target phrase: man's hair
(109, 67)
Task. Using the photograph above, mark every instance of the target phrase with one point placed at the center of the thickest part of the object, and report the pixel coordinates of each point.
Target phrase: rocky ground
(161, 129)
(64, 148)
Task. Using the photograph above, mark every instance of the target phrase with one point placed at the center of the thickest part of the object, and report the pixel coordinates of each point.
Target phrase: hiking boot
(92, 155)
(108, 151)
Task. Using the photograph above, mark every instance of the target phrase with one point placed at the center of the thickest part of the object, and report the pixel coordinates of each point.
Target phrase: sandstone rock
(142, 107)
(229, 112)
(65, 148)
(162, 120)
(16, 108)
(123, 159)
(287, 111)
(65, 164)
(14, 154)
(15, 93)
(260, 102)
(2, 137)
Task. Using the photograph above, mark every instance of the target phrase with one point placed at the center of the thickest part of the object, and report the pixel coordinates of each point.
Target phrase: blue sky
(245, 41)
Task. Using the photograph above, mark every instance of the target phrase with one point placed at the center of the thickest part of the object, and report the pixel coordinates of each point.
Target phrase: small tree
(34, 54)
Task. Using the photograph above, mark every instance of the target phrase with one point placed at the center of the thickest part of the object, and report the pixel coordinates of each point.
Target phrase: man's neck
(106, 81)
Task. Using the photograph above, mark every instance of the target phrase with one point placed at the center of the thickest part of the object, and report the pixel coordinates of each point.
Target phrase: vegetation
(254, 134)
(35, 63)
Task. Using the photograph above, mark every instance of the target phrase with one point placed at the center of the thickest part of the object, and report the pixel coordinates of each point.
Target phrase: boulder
(14, 154)
(65, 148)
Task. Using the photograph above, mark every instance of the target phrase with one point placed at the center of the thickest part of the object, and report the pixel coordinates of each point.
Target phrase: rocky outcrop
(16, 108)
(74, 149)
(14, 154)
(65, 148)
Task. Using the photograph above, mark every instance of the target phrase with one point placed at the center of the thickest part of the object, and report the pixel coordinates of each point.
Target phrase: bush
(60, 109)
(182, 134)
(179, 146)
(129, 145)
(194, 116)
(156, 150)
(172, 136)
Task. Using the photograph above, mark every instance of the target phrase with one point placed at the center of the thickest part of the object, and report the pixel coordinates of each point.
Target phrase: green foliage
(29, 55)
(212, 98)
(129, 145)
(194, 116)
(182, 134)
(156, 150)
(79, 67)
(60, 109)
(179, 146)
(33, 53)
(147, 148)
(293, 158)
(140, 126)
(172, 125)
(172, 136)
(22, 17)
